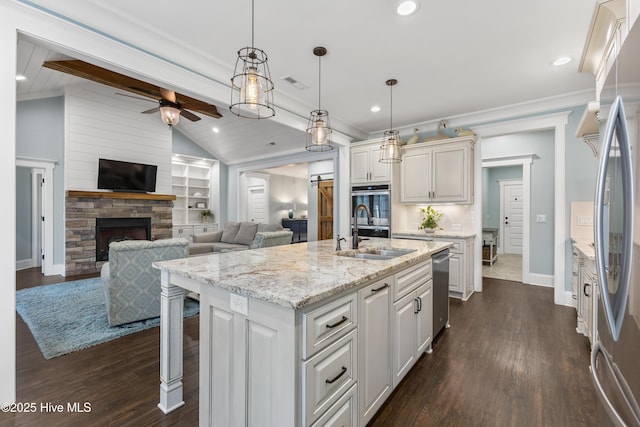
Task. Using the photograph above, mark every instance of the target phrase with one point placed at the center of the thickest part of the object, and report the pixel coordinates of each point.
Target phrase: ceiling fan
(171, 104)
(169, 107)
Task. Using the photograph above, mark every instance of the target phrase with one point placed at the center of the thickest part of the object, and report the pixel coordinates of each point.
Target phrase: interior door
(256, 205)
(325, 210)
(511, 205)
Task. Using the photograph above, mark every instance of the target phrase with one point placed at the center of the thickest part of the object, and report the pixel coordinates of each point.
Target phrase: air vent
(294, 82)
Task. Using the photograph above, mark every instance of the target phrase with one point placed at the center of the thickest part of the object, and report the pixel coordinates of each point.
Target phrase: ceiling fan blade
(202, 107)
(167, 94)
(189, 115)
(134, 97)
(153, 110)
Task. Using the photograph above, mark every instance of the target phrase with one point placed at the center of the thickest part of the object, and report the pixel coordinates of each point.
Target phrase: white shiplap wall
(101, 124)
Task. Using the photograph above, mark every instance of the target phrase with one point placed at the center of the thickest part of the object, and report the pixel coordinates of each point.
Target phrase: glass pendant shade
(170, 115)
(390, 150)
(319, 131)
(251, 85)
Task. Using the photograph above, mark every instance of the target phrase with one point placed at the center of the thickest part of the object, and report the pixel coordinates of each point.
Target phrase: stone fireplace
(110, 230)
(85, 208)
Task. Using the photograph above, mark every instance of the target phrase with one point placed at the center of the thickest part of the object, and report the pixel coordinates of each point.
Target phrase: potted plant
(206, 215)
(430, 219)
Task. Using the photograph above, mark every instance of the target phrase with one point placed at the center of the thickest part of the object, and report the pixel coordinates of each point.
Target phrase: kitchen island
(299, 334)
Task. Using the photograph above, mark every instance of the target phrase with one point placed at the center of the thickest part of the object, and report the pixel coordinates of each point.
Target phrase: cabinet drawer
(457, 248)
(327, 376)
(411, 278)
(343, 413)
(326, 324)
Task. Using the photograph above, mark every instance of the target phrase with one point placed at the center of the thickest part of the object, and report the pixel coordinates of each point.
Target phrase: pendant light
(251, 84)
(319, 129)
(390, 148)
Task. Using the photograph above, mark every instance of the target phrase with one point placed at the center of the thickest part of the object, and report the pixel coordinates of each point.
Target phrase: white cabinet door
(415, 177)
(450, 174)
(404, 336)
(366, 167)
(360, 165)
(424, 318)
(380, 172)
(456, 274)
(374, 337)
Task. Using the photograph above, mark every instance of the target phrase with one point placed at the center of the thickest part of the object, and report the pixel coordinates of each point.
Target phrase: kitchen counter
(439, 233)
(274, 320)
(297, 275)
(586, 248)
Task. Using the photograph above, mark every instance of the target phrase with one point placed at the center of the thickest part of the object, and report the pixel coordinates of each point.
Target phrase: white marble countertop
(586, 248)
(299, 274)
(419, 234)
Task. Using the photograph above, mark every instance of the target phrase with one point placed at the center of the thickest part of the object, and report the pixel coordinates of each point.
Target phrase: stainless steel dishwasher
(440, 262)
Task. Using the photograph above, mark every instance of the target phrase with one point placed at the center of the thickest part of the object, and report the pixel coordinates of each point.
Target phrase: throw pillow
(230, 231)
(247, 233)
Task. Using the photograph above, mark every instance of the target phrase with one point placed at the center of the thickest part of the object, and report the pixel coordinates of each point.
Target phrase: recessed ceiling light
(20, 77)
(563, 60)
(215, 130)
(407, 8)
(375, 109)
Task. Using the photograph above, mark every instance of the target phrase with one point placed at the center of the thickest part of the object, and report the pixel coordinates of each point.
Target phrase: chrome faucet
(355, 240)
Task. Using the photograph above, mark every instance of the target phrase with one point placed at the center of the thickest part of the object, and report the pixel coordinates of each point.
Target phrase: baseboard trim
(24, 264)
(540, 280)
(58, 269)
(567, 299)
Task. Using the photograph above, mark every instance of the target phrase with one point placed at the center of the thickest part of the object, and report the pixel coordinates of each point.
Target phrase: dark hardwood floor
(510, 358)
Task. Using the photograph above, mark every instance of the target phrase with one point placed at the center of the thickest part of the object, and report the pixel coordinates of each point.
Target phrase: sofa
(238, 236)
(131, 284)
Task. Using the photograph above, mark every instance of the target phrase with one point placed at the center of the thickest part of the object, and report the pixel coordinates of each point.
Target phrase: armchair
(131, 284)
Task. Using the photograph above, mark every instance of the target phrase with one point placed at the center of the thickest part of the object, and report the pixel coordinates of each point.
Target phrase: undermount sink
(376, 253)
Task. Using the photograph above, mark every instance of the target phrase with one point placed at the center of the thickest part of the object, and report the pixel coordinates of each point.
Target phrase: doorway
(34, 215)
(512, 216)
(325, 210)
(256, 204)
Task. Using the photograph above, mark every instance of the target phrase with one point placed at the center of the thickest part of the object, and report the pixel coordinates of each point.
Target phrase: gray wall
(284, 191)
(182, 144)
(491, 195)
(542, 189)
(23, 213)
(40, 135)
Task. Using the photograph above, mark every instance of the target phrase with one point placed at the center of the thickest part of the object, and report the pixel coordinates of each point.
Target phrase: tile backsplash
(407, 218)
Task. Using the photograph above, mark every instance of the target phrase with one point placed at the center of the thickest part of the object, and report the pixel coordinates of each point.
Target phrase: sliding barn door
(325, 210)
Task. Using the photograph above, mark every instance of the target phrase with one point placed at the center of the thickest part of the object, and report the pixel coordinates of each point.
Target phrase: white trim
(567, 300)
(23, 264)
(48, 195)
(37, 205)
(59, 269)
(541, 280)
(558, 122)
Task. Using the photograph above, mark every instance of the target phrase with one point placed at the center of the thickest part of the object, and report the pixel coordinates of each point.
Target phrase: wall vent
(294, 82)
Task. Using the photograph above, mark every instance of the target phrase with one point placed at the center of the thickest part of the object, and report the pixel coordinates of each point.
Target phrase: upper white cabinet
(365, 164)
(438, 172)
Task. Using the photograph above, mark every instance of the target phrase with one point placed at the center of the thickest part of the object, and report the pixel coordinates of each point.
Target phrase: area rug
(72, 316)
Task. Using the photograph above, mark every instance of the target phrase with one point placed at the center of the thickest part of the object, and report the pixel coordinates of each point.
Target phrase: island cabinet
(276, 350)
(375, 344)
(438, 172)
(413, 318)
(365, 164)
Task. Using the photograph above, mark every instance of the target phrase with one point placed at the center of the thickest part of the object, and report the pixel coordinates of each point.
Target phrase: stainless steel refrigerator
(615, 356)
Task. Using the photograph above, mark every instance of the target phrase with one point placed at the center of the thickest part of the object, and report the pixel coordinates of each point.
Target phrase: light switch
(541, 218)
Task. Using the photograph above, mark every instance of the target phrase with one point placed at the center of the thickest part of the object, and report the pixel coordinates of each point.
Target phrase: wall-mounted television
(126, 176)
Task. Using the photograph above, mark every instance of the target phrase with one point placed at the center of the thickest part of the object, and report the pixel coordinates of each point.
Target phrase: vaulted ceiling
(450, 58)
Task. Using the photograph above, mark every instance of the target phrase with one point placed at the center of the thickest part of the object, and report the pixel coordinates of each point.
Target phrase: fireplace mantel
(118, 195)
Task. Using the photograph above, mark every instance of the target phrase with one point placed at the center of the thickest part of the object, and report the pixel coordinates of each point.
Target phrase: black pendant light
(390, 148)
(251, 84)
(319, 129)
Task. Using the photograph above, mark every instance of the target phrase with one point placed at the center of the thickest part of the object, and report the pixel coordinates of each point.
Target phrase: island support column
(171, 342)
